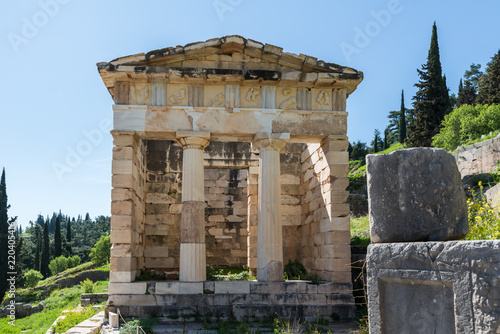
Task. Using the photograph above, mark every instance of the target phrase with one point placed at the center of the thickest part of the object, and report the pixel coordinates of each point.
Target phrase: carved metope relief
(323, 98)
(139, 93)
(232, 96)
(251, 95)
(268, 97)
(290, 102)
(303, 98)
(217, 101)
(178, 96)
(195, 95)
(158, 94)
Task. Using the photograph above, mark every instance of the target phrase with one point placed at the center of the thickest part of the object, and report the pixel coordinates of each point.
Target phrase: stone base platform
(233, 300)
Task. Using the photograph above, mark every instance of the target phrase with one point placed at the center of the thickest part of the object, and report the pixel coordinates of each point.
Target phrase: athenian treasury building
(229, 152)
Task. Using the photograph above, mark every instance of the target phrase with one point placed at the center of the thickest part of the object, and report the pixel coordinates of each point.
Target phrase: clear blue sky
(52, 95)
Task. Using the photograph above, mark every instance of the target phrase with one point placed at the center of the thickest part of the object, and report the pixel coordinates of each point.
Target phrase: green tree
(4, 227)
(32, 277)
(376, 142)
(359, 151)
(432, 101)
(402, 120)
(44, 265)
(37, 251)
(489, 86)
(68, 237)
(101, 252)
(473, 76)
(58, 264)
(57, 239)
(467, 123)
(467, 94)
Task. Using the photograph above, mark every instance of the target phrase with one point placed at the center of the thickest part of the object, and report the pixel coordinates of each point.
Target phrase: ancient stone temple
(229, 152)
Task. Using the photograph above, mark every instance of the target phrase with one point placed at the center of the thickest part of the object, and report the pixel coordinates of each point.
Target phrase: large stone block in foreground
(415, 195)
(434, 287)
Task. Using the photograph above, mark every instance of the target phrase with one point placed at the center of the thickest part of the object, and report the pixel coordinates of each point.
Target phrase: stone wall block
(415, 195)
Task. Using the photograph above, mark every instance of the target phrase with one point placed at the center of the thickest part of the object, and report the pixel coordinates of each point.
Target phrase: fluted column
(192, 266)
(269, 230)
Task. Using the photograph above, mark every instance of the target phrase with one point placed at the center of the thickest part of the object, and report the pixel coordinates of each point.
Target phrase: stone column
(192, 267)
(269, 233)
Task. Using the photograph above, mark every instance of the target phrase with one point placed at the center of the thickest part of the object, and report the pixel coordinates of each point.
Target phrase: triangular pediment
(233, 53)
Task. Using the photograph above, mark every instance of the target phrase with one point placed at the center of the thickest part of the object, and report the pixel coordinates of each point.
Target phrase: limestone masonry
(415, 195)
(483, 157)
(227, 152)
(426, 287)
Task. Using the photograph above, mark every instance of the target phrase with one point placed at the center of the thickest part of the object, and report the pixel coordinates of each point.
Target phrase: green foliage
(57, 239)
(73, 261)
(489, 84)
(101, 252)
(58, 265)
(32, 278)
(44, 264)
(376, 142)
(131, 326)
(74, 318)
(58, 301)
(88, 286)
(61, 263)
(358, 151)
(360, 231)
(295, 270)
(431, 101)
(402, 120)
(229, 274)
(466, 124)
(484, 220)
(149, 276)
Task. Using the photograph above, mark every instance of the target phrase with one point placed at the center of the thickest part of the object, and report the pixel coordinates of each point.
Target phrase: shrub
(101, 252)
(32, 278)
(467, 123)
(88, 286)
(74, 318)
(73, 261)
(58, 265)
(295, 270)
(484, 222)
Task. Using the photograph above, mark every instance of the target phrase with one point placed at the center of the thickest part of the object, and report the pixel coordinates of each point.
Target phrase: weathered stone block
(434, 287)
(232, 287)
(415, 195)
(134, 288)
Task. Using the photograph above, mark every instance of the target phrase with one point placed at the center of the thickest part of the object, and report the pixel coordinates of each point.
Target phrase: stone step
(192, 328)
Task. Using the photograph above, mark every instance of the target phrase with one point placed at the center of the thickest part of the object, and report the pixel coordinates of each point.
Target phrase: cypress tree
(44, 265)
(37, 254)
(4, 227)
(68, 237)
(431, 102)
(402, 120)
(467, 94)
(376, 141)
(57, 238)
(489, 85)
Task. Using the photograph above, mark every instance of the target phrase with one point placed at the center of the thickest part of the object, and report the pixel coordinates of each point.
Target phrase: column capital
(275, 141)
(193, 139)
